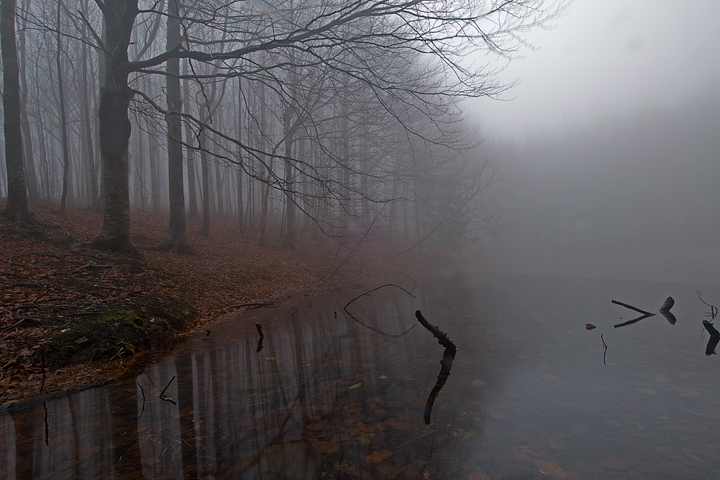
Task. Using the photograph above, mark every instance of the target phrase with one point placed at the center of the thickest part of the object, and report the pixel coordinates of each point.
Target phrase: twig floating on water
(631, 307)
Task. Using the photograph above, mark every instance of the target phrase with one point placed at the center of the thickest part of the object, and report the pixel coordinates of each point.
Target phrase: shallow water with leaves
(529, 393)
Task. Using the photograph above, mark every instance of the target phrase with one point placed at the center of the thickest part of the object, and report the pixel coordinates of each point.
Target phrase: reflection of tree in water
(325, 392)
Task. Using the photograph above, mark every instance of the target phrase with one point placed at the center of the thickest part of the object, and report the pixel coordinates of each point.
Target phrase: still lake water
(530, 393)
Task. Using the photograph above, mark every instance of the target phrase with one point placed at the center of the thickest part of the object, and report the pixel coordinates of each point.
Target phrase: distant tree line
(322, 117)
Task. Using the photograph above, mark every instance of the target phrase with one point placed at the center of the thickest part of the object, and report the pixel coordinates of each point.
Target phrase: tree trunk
(16, 207)
(176, 239)
(205, 174)
(153, 148)
(265, 187)
(192, 198)
(30, 168)
(238, 168)
(62, 117)
(91, 175)
(345, 205)
(115, 96)
(289, 184)
(220, 210)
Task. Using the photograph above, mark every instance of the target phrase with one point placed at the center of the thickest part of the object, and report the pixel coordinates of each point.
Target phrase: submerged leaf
(549, 468)
(377, 457)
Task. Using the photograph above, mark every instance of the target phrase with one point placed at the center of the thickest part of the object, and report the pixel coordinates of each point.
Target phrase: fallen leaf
(477, 476)
(364, 427)
(394, 425)
(390, 471)
(365, 438)
(326, 447)
(589, 326)
(352, 471)
(477, 383)
(377, 457)
(549, 468)
(356, 385)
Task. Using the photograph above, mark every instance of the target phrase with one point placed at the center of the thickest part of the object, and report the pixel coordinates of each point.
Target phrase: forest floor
(72, 317)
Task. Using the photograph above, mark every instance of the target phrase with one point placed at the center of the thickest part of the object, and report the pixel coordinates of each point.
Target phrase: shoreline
(50, 285)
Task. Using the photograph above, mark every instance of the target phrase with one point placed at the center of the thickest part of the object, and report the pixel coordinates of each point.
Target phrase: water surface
(531, 393)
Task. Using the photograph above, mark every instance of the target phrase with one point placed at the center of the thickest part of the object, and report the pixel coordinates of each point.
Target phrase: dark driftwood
(669, 317)
(711, 329)
(445, 366)
(442, 337)
(669, 302)
(714, 338)
(259, 329)
(644, 312)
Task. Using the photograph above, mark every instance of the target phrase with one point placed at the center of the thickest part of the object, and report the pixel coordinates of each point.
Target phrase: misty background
(607, 137)
(610, 139)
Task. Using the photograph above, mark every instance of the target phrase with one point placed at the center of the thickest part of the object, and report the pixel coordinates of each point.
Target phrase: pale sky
(607, 57)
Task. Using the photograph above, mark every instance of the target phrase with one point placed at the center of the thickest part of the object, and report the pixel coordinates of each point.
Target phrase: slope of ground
(71, 316)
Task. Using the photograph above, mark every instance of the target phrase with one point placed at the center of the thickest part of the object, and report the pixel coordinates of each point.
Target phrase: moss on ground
(147, 322)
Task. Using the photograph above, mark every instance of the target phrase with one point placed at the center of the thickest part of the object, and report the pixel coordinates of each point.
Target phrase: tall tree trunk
(153, 149)
(238, 168)
(289, 184)
(363, 168)
(220, 210)
(119, 16)
(31, 177)
(176, 239)
(87, 120)
(62, 117)
(265, 187)
(16, 207)
(204, 171)
(345, 205)
(193, 210)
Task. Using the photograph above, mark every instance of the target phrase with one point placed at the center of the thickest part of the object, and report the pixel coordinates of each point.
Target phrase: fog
(605, 58)
(610, 138)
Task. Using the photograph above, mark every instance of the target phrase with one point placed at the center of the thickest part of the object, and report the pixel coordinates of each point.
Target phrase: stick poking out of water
(442, 337)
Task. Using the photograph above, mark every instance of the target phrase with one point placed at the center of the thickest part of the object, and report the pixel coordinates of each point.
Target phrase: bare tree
(16, 208)
(442, 30)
